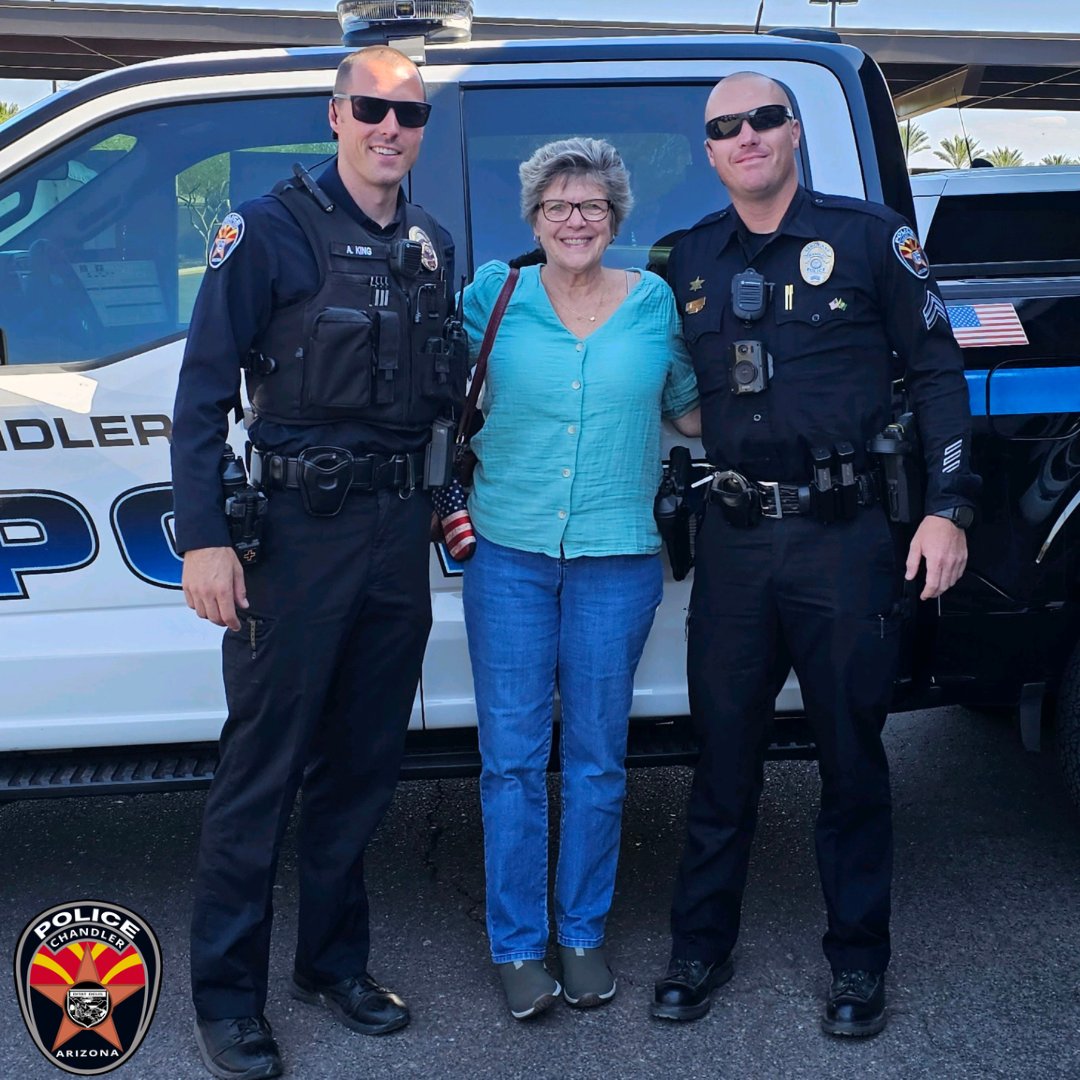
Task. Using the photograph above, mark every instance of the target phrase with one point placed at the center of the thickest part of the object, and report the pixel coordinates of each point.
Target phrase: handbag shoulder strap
(497, 312)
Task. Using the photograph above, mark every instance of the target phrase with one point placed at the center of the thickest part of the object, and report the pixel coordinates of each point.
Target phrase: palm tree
(958, 151)
(1003, 156)
(1058, 159)
(7, 110)
(914, 139)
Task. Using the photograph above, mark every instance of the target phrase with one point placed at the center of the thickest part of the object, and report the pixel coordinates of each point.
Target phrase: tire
(1068, 725)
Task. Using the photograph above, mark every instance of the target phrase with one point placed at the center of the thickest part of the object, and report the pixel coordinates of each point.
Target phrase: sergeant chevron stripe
(933, 309)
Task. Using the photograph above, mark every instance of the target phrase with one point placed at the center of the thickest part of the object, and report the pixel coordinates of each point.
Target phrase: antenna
(760, 12)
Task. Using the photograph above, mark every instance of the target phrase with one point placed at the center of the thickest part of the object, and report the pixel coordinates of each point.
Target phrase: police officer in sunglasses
(333, 295)
(799, 310)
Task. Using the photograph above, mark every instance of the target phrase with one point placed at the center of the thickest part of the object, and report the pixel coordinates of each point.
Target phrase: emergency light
(367, 21)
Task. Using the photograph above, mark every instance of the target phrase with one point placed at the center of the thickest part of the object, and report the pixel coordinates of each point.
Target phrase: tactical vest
(373, 342)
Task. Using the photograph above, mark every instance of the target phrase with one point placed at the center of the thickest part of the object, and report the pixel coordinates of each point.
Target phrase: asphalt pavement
(984, 981)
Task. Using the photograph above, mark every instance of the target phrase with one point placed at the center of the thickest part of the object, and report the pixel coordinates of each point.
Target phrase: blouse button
(562, 513)
(571, 430)
(579, 346)
(566, 472)
(576, 384)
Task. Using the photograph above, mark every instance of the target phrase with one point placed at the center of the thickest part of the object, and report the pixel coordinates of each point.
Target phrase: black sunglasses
(372, 110)
(763, 118)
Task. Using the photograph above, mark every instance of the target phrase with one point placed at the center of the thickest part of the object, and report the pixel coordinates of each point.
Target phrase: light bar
(363, 21)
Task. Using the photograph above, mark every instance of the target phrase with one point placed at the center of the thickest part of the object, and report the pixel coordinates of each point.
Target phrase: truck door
(103, 243)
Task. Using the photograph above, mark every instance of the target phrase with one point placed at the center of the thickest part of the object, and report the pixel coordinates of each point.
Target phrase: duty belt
(779, 500)
(371, 472)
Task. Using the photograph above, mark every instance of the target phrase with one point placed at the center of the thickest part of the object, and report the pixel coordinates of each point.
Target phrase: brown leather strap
(480, 371)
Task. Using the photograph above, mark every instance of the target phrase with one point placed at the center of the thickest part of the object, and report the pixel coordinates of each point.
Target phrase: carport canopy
(925, 69)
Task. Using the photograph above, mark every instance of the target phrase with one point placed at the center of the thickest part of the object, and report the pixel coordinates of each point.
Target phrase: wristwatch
(963, 517)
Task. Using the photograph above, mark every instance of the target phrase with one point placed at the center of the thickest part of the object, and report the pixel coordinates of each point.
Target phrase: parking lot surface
(983, 983)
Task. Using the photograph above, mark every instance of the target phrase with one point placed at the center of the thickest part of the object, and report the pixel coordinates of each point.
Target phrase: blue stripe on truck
(1026, 391)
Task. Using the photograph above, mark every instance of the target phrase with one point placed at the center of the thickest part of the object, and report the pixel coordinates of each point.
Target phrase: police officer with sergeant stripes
(800, 310)
(335, 297)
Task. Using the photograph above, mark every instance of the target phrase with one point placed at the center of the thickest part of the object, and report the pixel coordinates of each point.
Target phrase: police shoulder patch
(230, 233)
(908, 250)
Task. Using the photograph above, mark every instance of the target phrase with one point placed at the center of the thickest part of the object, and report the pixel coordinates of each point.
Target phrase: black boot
(856, 1004)
(683, 992)
(360, 1003)
(239, 1048)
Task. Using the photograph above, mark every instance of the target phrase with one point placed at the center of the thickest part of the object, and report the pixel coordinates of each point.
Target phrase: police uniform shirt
(271, 267)
(849, 286)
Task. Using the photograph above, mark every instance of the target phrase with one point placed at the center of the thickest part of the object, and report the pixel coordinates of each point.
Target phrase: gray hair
(579, 158)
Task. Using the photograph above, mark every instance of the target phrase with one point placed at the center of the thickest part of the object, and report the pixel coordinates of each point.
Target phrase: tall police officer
(335, 297)
(793, 305)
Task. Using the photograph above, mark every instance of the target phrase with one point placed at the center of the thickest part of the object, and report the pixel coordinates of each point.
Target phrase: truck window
(103, 241)
(657, 129)
(1005, 227)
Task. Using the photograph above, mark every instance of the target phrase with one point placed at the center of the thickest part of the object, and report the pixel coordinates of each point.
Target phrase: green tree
(958, 151)
(203, 190)
(1003, 156)
(7, 110)
(914, 139)
(1059, 159)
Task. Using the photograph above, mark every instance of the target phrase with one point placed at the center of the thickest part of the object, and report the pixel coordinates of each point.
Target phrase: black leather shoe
(856, 1004)
(240, 1048)
(359, 1003)
(683, 993)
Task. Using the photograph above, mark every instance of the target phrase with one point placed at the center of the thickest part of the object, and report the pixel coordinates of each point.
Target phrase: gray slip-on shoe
(528, 987)
(587, 979)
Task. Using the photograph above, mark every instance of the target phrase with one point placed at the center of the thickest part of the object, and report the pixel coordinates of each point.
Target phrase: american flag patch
(451, 504)
(985, 325)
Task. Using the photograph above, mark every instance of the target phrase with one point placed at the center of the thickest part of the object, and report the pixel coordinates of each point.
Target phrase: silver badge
(427, 248)
(816, 262)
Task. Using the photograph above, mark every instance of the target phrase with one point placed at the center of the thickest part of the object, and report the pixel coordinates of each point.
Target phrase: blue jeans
(533, 620)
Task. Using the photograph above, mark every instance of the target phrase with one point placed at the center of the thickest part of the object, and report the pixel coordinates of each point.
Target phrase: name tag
(352, 251)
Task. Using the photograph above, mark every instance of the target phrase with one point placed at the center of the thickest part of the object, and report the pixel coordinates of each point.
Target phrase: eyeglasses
(763, 118)
(590, 209)
(372, 110)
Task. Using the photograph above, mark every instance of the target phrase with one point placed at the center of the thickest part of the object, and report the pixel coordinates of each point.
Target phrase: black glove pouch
(324, 475)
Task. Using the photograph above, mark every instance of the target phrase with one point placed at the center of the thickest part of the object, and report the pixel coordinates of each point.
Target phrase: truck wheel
(1068, 725)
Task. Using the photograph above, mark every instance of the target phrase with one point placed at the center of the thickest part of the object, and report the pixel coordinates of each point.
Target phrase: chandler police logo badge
(230, 233)
(816, 262)
(427, 248)
(910, 253)
(88, 975)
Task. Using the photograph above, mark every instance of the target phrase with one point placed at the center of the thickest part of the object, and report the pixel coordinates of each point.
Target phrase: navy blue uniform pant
(822, 599)
(320, 682)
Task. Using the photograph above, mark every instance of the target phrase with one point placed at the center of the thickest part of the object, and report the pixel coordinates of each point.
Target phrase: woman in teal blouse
(566, 577)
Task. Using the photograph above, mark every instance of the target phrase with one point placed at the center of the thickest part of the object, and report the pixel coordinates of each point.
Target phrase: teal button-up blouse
(569, 454)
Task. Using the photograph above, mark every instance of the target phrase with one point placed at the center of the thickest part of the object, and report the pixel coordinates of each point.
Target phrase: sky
(1034, 135)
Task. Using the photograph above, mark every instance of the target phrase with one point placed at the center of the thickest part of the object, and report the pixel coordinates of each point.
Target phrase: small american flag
(984, 325)
(451, 504)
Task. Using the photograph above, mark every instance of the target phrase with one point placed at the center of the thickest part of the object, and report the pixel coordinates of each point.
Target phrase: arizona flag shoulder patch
(230, 233)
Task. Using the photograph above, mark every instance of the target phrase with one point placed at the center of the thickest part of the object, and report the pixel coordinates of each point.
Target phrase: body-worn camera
(749, 367)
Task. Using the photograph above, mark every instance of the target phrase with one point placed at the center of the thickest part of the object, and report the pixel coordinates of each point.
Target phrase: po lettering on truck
(51, 532)
(48, 532)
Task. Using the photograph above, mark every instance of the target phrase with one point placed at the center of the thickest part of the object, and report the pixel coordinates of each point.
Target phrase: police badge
(427, 248)
(816, 262)
(87, 976)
